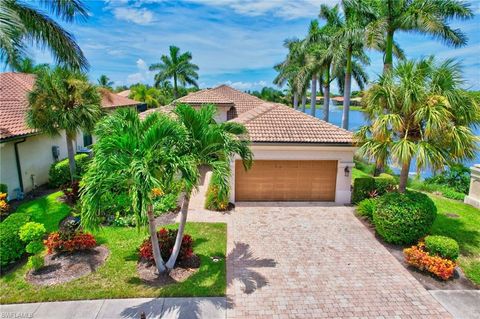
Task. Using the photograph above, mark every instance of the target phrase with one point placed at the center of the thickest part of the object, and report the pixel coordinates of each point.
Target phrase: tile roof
(14, 89)
(124, 93)
(278, 123)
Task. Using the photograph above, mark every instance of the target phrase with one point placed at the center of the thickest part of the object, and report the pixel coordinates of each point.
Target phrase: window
(87, 140)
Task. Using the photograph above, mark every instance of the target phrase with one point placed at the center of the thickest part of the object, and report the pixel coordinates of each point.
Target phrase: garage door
(286, 181)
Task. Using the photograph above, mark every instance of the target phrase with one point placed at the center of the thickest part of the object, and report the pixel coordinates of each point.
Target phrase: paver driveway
(313, 260)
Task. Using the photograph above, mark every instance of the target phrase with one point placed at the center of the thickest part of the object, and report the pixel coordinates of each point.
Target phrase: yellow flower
(157, 192)
(3, 196)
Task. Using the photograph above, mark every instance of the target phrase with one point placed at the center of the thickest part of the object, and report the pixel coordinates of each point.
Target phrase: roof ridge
(256, 112)
(318, 119)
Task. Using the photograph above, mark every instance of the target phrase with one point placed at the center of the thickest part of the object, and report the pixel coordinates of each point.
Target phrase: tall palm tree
(176, 66)
(140, 159)
(104, 82)
(63, 99)
(420, 112)
(143, 93)
(27, 65)
(21, 24)
(428, 17)
(212, 144)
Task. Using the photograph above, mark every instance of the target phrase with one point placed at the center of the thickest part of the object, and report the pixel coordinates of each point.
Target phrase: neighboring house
(296, 157)
(473, 197)
(124, 93)
(26, 154)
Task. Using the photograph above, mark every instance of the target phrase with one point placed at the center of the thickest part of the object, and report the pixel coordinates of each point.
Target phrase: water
(358, 119)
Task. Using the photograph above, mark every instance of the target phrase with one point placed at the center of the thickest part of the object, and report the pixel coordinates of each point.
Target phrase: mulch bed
(430, 282)
(64, 267)
(182, 271)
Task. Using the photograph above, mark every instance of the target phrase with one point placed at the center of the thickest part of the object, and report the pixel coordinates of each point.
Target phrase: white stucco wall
(344, 156)
(35, 159)
(221, 115)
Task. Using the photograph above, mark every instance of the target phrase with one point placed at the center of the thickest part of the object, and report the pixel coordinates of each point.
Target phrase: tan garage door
(286, 181)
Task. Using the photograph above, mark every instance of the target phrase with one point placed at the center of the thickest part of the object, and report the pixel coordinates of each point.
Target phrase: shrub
(366, 207)
(59, 173)
(457, 177)
(385, 184)
(167, 203)
(80, 241)
(124, 221)
(362, 188)
(4, 207)
(403, 218)
(452, 194)
(442, 246)
(32, 234)
(416, 256)
(3, 188)
(166, 238)
(71, 192)
(218, 193)
(11, 246)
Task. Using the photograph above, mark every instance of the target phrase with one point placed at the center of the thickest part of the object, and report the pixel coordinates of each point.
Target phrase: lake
(357, 119)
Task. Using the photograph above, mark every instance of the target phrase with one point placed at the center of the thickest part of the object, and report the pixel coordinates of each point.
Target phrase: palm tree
(429, 17)
(22, 24)
(211, 144)
(63, 99)
(143, 93)
(420, 112)
(27, 65)
(137, 158)
(104, 82)
(178, 67)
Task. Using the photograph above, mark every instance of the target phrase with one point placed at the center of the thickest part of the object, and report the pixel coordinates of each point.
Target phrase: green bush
(366, 207)
(403, 218)
(442, 246)
(35, 262)
(218, 192)
(452, 194)
(457, 178)
(3, 188)
(11, 246)
(362, 187)
(443, 190)
(384, 184)
(32, 231)
(59, 173)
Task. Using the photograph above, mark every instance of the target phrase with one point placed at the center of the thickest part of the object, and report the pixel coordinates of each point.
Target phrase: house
(297, 157)
(473, 197)
(26, 154)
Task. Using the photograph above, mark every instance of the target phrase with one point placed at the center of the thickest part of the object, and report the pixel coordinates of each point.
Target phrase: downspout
(17, 160)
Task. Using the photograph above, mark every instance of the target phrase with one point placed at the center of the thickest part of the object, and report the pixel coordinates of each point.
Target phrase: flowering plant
(4, 207)
(417, 256)
(166, 239)
(80, 241)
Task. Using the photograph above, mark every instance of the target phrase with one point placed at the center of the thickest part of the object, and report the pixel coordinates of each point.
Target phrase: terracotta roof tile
(14, 89)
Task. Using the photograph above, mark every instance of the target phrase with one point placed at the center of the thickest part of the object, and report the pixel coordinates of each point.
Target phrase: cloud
(286, 9)
(143, 75)
(246, 85)
(141, 64)
(138, 16)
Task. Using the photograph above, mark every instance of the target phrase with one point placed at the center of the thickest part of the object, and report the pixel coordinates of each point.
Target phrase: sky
(234, 42)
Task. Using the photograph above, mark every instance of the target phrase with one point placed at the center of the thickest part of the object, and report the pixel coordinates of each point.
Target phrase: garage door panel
(286, 181)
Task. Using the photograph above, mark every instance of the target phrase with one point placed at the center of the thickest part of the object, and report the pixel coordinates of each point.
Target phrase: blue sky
(236, 42)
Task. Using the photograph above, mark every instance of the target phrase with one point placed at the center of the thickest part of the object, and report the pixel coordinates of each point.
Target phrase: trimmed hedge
(59, 173)
(404, 218)
(12, 247)
(442, 246)
(363, 187)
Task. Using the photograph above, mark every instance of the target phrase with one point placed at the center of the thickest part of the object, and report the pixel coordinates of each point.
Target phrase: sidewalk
(165, 308)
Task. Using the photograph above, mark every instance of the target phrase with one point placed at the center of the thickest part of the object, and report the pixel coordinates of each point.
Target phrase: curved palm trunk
(159, 263)
(304, 102)
(313, 96)
(348, 85)
(402, 187)
(326, 95)
(71, 155)
(181, 228)
(295, 101)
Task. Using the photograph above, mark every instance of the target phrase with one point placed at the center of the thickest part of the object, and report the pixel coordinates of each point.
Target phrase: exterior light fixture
(347, 171)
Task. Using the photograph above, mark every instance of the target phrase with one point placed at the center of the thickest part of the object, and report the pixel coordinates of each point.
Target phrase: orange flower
(157, 192)
(3, 196)
(420, 259)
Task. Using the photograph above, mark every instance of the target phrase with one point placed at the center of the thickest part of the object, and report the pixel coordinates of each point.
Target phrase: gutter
(17, 160)
(302, 144)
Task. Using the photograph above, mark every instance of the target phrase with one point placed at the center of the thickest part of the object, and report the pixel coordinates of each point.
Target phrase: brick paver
(313, 261)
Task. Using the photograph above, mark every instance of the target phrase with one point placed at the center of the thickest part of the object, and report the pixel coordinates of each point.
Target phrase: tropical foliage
(419, 111)
(104, 82)
(64, 100)
(22, 23)
(176, 66)
(151, 96)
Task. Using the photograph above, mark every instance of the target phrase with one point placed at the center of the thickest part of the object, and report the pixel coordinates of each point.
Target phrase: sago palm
(140, 159)
(420, 111)
(212, 144)
(22, 23)
(428, 17)
(176, 66)
(63, 99)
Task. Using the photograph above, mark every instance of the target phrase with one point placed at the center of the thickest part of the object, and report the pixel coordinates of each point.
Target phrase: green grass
(47, 210)
(118, 277)
(465, 230)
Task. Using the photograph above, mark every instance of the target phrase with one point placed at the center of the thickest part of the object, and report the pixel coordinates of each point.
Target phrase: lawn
(464, 229)
(118, 277)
